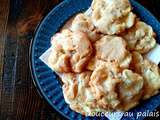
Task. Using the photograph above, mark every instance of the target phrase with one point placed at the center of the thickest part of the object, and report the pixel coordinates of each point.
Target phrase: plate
(47, 82)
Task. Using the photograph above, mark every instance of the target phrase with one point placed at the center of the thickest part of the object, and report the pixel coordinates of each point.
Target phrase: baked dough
(84, 23)
(114, 88)
(112, 16)
(77, 93)
(103, 85)
(130, 90)
(140, 37)
(70, 51)
(113, 48)
(150, 73)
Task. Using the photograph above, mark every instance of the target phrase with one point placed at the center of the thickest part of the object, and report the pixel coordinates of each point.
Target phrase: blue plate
(47, 81)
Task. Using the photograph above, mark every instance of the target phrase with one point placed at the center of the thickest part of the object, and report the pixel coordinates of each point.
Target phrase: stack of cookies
(100, 59)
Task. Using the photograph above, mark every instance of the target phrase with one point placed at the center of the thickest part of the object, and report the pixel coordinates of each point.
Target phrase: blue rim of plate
(47, 82)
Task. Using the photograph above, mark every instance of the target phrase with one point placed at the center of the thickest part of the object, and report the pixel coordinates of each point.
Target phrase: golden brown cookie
(150, 73)
(140, 37)
(77, 92)
(70, 51)
(103, 85)
(84, 23)
(112, 16)
(113, 48)
(114, 88)
(130, 89)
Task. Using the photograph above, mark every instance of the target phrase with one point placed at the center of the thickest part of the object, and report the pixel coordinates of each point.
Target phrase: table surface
(19, 98)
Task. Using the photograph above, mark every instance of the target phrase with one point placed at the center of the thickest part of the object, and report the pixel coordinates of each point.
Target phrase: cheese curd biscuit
(114, 88)
(116, 7)
(140, 37)
(84, 23)
(150, 73)
(70, 51)
(113, 48)
(103, 85)
(112, 16)
(130, 89)
(77, 92)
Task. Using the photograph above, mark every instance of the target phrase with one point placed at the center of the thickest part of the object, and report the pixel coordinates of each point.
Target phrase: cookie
(113, 48)
(130, 89)
(112, 16)
(150, 73)
(103, 85)
(77, 92)
(140, 37)
(115, 88)
(84, 23)
(70, 51)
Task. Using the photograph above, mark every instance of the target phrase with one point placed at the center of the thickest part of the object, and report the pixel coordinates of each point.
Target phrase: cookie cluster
(100, 59)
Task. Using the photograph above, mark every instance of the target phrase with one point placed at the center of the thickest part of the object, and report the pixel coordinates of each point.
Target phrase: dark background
(19, 99)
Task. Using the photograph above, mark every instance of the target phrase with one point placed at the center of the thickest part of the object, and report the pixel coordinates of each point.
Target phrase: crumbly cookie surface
(103, 85)
(112, 16)
(113, 48)
(150, 73)
(130, 90)
(70, 50)
(84, 23)
(140, 37)
(77, 92)
(115, 88)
